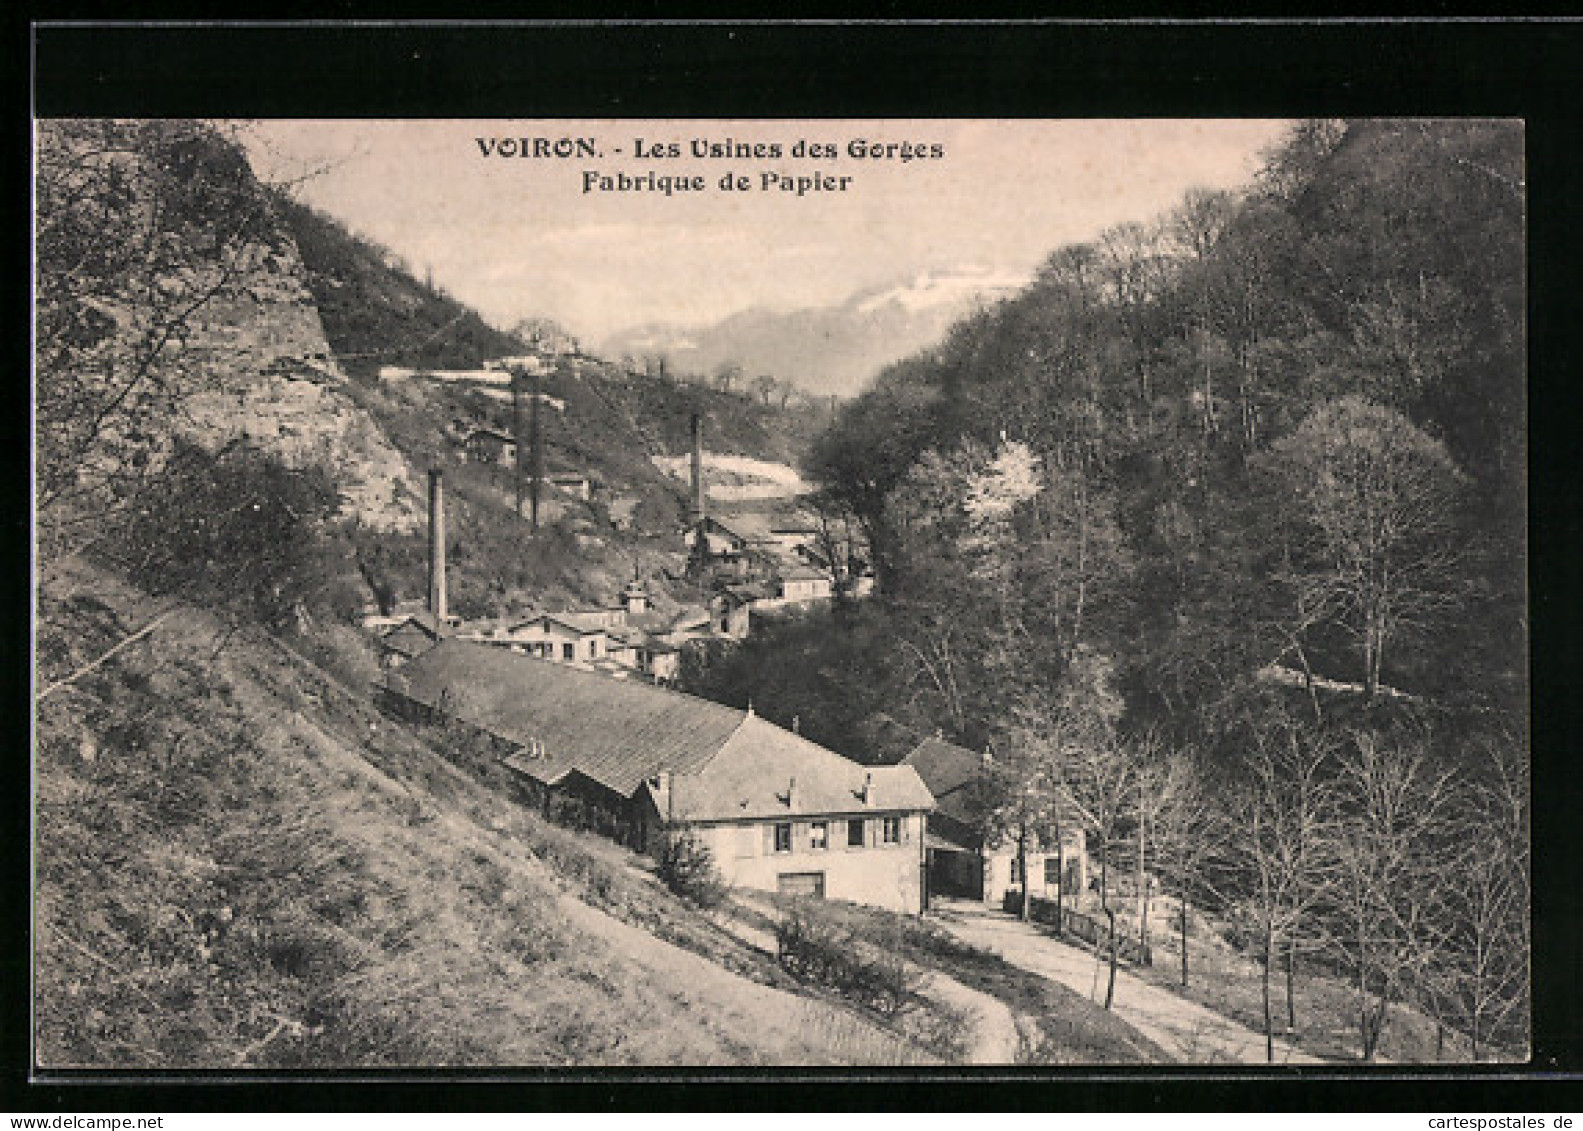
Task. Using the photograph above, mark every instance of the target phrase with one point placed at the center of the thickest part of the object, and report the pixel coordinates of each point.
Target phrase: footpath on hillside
(1186, 1030)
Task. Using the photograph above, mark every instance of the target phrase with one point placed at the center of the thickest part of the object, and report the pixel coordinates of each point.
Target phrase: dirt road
(1184, 1029)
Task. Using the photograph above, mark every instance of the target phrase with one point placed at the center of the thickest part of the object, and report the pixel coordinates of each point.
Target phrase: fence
(1085, 928)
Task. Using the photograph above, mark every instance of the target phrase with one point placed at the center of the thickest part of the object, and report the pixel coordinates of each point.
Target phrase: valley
(921, 679)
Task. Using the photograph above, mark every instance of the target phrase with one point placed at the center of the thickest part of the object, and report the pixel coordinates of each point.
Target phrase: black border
(1016, 68)
(810, 69)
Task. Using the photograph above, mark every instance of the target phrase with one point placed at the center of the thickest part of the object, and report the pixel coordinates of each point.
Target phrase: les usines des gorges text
(799, 181)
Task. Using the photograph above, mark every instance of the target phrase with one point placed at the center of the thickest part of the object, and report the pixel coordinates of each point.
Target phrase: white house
(779, 813)
(629, 636)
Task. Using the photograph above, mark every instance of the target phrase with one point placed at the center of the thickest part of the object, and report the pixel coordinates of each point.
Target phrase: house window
(592, 651)
(892, 830)
(783, 837)
(854, 834)
(568, 651)
(1052, 872)
(819, 835)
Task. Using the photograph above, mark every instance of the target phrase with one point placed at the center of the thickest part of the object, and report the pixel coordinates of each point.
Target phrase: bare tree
(1487, 901)
(1371, 528)
(1285, 821)
(1021, 782)
(1187, 832)
(1149, 786)
(1134, 266)
(1101, 777)
(1193, 234)
(1067, 755)
(1390, 858)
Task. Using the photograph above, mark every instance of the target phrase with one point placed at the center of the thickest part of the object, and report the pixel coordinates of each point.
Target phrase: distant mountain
(831, 349)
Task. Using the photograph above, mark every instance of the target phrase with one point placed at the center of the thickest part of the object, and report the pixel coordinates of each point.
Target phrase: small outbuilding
(963, 860)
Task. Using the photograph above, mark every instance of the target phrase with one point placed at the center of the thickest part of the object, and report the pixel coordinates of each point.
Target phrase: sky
(518, 237)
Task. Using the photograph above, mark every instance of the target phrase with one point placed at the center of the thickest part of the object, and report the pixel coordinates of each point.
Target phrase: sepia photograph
(560, 593)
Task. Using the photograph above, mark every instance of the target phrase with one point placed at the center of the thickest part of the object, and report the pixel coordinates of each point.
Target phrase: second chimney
(698, 469)
(437, 545)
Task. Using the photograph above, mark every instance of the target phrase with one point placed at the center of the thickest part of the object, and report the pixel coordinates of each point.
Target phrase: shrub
(813, 948)
(234, 529)
(687, 867)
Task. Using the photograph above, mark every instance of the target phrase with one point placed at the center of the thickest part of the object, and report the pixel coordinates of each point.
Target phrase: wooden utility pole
(516, 435)
(698, 507)
(536, 423)
(535, 441)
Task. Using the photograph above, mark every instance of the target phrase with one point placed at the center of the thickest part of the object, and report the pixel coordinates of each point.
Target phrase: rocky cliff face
(171, 301)
(279, 388)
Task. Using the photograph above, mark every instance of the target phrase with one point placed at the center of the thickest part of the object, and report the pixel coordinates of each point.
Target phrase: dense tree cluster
(1224, 516)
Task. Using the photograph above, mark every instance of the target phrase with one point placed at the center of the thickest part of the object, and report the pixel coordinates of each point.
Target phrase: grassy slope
(240, 863)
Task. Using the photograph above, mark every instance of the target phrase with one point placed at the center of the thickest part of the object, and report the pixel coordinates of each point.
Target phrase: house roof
(953, 773)
(745, 593)
(491, 434)
(485, 626)
(744, 527)
(588, 624)
(690, 616)
(658, 622)
(617, 732)
(750, 776)
(933, 838)
(726, 764)
(803, 573)
(413, 636)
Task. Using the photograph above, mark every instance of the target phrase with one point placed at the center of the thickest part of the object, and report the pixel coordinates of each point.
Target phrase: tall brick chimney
(437, 544)
(698, 470)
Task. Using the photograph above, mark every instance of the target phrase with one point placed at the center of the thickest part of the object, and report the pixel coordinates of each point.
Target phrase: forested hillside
(375, 312)
(1221, 522)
